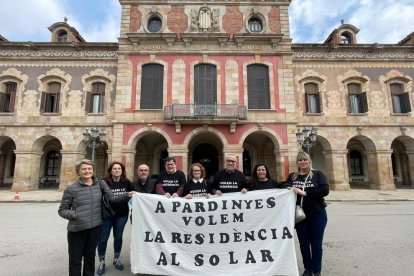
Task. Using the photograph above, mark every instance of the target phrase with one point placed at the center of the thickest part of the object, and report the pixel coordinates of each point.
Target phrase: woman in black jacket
(81, 205)
(312, 186)
(119, 184)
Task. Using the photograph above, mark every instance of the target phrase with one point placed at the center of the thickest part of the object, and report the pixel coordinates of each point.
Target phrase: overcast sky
(311, 21)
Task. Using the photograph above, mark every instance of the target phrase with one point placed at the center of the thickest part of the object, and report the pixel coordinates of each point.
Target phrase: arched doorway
(7, 161)
(207, 155)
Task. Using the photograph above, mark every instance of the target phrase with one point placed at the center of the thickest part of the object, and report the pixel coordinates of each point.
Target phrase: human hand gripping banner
(244, 234)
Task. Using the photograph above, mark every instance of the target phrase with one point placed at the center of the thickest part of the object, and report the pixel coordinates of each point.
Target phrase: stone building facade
(198, 80)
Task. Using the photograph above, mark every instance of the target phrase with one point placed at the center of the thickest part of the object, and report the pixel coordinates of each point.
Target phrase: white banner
(244, 234)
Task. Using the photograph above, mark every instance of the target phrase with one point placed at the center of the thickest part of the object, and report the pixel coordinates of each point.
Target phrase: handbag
(299, 213)
(107, 210)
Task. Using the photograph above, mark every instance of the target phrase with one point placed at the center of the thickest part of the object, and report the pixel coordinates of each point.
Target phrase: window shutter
(307, 102)
(56, 104)
(43, 102)
(3, 102)
(11, 101)
(405, 102)
(364, 102)
(88, 106)
(318, 103)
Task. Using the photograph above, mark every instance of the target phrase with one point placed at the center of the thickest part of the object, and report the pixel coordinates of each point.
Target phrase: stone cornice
(9, 53)
(303, 52)
(68, 50)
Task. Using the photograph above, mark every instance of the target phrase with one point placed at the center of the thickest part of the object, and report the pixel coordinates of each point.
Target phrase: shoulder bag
(299, 213)
(107, 210)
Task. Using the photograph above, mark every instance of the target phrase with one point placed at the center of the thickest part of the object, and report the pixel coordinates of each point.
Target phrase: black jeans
(82, 245)
(310, 233)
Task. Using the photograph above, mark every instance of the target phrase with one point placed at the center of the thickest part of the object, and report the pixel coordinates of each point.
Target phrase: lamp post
(94, 138)
(306, 138)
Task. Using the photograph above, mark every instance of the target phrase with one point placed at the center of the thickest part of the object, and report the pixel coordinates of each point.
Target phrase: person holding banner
(81, 206)
(197, 185)
(144, 184)
(313, 187)
(171, 181)
(261, 179)
(119, 184)
(229, 179)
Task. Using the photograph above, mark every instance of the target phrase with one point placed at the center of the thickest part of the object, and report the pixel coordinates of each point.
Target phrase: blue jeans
(118, 225)
(310, 233)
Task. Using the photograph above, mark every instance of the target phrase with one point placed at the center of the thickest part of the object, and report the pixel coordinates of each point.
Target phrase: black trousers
(82, 245)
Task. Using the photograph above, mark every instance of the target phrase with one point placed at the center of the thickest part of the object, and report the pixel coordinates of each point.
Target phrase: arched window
(357, 99)
(255, 25)
(62, 36)
(152, 86)
(51, 168)
(95, 98)
(154, 24)
(50, 98)
(355, 159)
(400, 99)
(312, 96)
(346, 38)
(258, 86)
(8, 96)
(205, 89)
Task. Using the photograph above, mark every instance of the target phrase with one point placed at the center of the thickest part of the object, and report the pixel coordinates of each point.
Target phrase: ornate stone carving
(205, 20)
(392, 75)
(335, 103)
(377, 104)
(75, 104)
(309, 76)
(101, 76)
(13, 74)
(57, 75)
(351, 55)
(29, 106)
(58, 53)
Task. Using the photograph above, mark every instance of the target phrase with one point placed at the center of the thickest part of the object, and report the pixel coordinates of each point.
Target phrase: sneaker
(118, 265)
(101, 269)
(307, 273)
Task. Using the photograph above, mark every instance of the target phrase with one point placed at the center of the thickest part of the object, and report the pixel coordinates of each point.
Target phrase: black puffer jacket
(81, 204)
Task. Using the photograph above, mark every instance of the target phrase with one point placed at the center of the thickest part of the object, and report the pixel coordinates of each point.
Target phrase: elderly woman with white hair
(311, 186)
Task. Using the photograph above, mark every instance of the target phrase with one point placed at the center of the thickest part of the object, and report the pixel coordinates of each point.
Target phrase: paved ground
(353, 195)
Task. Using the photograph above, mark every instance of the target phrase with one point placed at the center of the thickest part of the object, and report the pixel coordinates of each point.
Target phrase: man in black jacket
(144, 184)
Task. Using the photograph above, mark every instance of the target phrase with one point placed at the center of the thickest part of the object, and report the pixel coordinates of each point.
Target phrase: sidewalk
(354, 195)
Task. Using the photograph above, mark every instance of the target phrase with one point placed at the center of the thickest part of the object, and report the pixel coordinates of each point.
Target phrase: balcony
(204, 113)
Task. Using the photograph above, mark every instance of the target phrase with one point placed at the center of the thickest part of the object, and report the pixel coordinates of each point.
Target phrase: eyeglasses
(170, 164)
(196, 171)
(231, 161)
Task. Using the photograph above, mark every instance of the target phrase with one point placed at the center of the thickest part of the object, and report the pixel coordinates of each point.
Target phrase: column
(67, 174)
(181, 156)
(128, 158)
(26, 171)
(282, 164)
(337, 170)
(380, 170)
(238, 152)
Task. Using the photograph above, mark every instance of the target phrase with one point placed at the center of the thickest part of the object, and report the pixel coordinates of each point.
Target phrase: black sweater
(119, 188)
(316, 189)
(229, 182)
(197, 189)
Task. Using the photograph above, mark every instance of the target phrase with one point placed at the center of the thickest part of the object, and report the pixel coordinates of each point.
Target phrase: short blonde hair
(83, 162)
